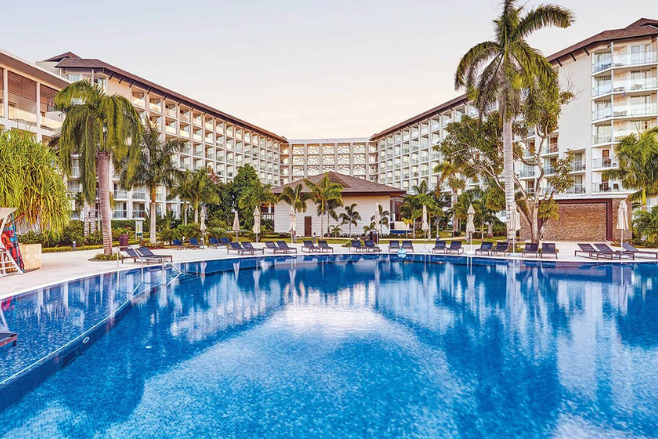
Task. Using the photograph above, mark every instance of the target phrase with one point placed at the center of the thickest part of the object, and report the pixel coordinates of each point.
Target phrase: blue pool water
(344, 347)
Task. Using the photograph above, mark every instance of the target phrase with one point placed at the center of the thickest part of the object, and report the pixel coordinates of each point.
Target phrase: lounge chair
(132, 254)
(371, 247)
(8, 338)
(606, 252)
(283, 247)
(548, 249)
(439, 246)
(214, 243)
(485, 248)
(177, 243)
(628, 248)
(146, 252)
(501, 247)
(309, 247)
(325, 247)
(250, 248)
(269, 245)
(236, 247)
(393, 246)
(455, 247)
(587, 251)
(356, 246)
(408, 246)
(224, 242)
(194, 243)
(531, 248)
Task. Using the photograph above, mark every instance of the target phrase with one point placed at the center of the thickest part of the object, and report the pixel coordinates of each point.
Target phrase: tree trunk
(153, 226)
(455, 221)
(104, 200)
(534, 226)
(508, 159)
(86, 211)
(322, 226)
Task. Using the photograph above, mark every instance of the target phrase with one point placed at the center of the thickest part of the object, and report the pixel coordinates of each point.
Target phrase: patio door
(308, 226)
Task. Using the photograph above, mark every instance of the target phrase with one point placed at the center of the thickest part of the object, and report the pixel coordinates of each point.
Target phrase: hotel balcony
(139, 195)
(139, 101)
(120, 214)
(576, 189)
(601, 139)
(604, 163)
(169, 129)
(607, 187)
(155, 106)
(619, 61)
(625, 86)
(21, 115)
(51, 122)
(527, 173)
(185, 134)
(549, 170)
(170, 111)
(635, 110)
(120, 194)
(578, 166)
(550, 149)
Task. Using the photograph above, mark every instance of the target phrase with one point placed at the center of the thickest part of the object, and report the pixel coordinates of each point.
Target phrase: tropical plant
(350, 216)
(335, 230)
(30, 181)
(412, 209)
(502, 70)
(324, 193)
(637, 156)
(194, 187)
(449, 172)
(383, 216)
(256, 195)
(646, 224)
(101, 129)
(155, 168)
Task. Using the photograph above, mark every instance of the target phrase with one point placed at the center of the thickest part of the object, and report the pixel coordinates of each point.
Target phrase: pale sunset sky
(302, 69)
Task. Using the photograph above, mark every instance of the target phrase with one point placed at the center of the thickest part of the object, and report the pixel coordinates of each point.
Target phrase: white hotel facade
(613, 74)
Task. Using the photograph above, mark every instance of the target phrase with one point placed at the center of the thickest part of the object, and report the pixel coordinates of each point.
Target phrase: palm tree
(183, 189)
(324, 192)
(202, 191)
(255, 195)
(295, 197)
(637, 156)
(155, 168)
(498, 71)
(383, 216)
(101, 129)
(350, 217)
(450, 173)
(646, 224)
(412, 209)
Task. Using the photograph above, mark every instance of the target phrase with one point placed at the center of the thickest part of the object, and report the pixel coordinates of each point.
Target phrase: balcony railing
(140, 102)
(576, 189)
(634, 110)
(170, 111)
(602, 113)
(634, 59)
(120, 195)
(602, 88)
(139, 195)
(155, 107)
(604, 163)
(601, 138)
(527, 173)
(170, 129)
(550, 149)
(549, 170)
(139, 213)
(51, 124)
(22, 115)
(120, 214)
(578, 166)
(607, 186)
(634, 85)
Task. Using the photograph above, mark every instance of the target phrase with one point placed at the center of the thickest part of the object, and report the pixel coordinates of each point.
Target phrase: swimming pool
(338, 346)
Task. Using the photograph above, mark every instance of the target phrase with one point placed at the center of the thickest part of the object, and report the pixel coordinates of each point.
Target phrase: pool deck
(58, 267)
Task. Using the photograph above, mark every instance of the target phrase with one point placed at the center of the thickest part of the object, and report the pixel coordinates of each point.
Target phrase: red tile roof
(75, 62)
(351, 185)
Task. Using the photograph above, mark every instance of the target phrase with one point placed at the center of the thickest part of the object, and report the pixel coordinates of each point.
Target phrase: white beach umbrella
(256, 228)
(293, 223)
(377, 219)
(622, 219)
(425, 226)
(236, 225)
(470, 223)
(202, 226)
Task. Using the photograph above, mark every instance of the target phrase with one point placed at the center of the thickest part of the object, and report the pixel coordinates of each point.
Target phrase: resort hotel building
(613, 75)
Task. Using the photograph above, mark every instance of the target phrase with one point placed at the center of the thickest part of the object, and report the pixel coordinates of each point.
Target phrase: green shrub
(104, 257)
(31, 238)
(95, 238)
(191, 230)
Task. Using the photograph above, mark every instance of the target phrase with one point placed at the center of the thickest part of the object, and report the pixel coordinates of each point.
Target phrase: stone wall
(583, 220)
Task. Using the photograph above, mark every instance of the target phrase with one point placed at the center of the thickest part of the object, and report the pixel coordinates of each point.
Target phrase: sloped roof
(75, 62)
(641, 28)
(351, 185)
(61, 56)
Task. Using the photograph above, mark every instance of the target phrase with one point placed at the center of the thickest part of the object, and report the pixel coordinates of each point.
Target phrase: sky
(301, 69)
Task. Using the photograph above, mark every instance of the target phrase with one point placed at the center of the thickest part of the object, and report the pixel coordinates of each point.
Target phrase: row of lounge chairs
(247, 248)
(145, 255)
(598, 251)
(367, 246)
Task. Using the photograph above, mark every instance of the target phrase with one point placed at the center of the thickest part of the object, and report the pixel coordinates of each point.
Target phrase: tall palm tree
(637, 156)
(324, 193)
(412, 209)
(101, 129)
(351, 217)
(183, 189)
(155, 168)
(202, 191)
(383, 216)
(450, 173)
(498, 71)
